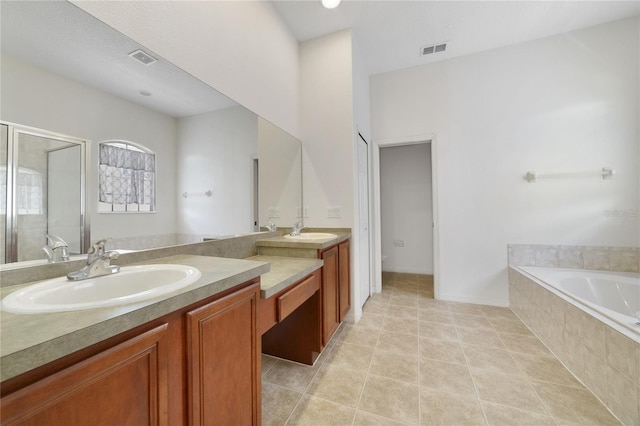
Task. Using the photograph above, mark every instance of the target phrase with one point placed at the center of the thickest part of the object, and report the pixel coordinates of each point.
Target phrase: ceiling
(61, 38)
(390, 33)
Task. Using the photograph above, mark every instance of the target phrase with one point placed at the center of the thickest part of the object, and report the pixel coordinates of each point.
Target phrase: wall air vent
(143, 57)
(433, 48)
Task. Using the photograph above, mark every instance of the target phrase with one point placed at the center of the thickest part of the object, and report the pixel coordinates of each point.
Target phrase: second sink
(308, 236)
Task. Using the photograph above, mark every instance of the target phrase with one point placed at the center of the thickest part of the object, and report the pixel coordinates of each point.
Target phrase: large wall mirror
(220, 169)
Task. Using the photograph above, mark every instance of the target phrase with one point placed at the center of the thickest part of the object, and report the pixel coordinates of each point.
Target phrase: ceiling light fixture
(330, 4)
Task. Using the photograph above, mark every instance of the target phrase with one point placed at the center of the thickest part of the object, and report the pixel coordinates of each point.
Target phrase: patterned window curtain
(126, 176)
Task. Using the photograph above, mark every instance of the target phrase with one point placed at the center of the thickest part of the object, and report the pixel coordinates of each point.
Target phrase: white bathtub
(613, 297)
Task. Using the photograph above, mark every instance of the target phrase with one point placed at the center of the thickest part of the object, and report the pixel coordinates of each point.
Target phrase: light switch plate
(334, 211)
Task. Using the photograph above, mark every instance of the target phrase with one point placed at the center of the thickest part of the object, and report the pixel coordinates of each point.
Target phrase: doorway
(405, 208)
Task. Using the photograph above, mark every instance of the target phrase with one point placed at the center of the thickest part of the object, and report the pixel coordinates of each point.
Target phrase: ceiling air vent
(143, 57)
(434, 48)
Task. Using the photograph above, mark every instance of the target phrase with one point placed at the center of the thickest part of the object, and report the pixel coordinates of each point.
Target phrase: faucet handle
(96, 250)
(54, 241)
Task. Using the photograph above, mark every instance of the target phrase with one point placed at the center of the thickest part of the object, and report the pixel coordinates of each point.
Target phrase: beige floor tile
(545, 368)
(367, 419)
(433, 304)
(277, 404)
(524, 344)
(373, 307)
(340, 385)
(502, 415)
(357, 335)
(395, 366)
(466, 308)
(436, 330)
(444, 408)
(505, 325)
(471, 321)
(397, 311)
(351, 356)
(400, 325)
(510, 390)
(499, 312)
(441, 350)
(435, 315)
(290, 375)
(267, 362)
(371, 320)
(401, 343)
(480, 336)
(408, 287)
(379, 298)
(316, 411)
(490, 359)
(390, 398)
(573, 404)
(444, 376)
(401, 298)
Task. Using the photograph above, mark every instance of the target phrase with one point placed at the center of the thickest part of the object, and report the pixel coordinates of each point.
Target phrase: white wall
(406, 208)
(326, 128)
(216, 152)
(563, 103)
(38, 98)
(241, 48)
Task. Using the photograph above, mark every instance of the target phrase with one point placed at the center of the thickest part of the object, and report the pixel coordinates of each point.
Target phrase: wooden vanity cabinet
(124, 385)
(198, 366)
(336, 291)
(223, 347)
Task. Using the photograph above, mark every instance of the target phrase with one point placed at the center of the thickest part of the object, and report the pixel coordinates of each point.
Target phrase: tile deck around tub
(415, 360)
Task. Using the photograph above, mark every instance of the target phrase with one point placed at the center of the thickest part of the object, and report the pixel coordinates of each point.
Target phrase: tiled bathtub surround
(606, 361)
(621, 259)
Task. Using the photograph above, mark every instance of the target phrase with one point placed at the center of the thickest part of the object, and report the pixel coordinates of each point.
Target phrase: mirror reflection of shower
(42, 191)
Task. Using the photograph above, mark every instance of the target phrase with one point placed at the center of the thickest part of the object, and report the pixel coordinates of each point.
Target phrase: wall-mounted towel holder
(187, 194)
(605, 173)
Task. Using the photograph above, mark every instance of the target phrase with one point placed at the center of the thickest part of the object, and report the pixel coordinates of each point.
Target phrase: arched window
(127, 177)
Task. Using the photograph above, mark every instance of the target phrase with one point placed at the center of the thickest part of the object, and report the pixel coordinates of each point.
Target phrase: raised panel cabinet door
(330, 312)
(344, 281)
(224, 361)
(124, 385)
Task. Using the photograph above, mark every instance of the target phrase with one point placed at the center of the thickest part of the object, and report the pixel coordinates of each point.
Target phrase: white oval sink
(309, 236)
(131, 284)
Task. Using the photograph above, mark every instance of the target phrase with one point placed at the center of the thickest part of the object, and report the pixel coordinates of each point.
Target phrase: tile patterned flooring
(412, 360)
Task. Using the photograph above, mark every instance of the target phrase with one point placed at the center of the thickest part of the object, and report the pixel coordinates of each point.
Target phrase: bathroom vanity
(335, 288)
(191, 358)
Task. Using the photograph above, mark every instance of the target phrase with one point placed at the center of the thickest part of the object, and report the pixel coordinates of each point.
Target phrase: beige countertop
(321, 244)
(284, 272)
(31, 340)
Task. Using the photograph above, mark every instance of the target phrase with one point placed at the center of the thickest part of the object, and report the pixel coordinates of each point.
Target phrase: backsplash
(235, 247)
(622, 259)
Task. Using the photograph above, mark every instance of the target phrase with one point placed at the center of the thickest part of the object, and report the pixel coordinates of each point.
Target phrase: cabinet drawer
(295, 297)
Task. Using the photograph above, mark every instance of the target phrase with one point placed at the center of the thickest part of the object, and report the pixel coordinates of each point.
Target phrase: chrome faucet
(57, 249)
(297, 227)
(98, 263)
(271, 226)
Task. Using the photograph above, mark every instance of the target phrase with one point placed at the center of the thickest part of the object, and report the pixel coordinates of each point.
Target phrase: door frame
(377, 225)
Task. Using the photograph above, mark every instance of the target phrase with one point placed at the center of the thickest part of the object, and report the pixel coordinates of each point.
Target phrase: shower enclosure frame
(11, 223)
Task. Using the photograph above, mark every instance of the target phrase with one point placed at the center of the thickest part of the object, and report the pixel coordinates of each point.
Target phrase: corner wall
(564, 103)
